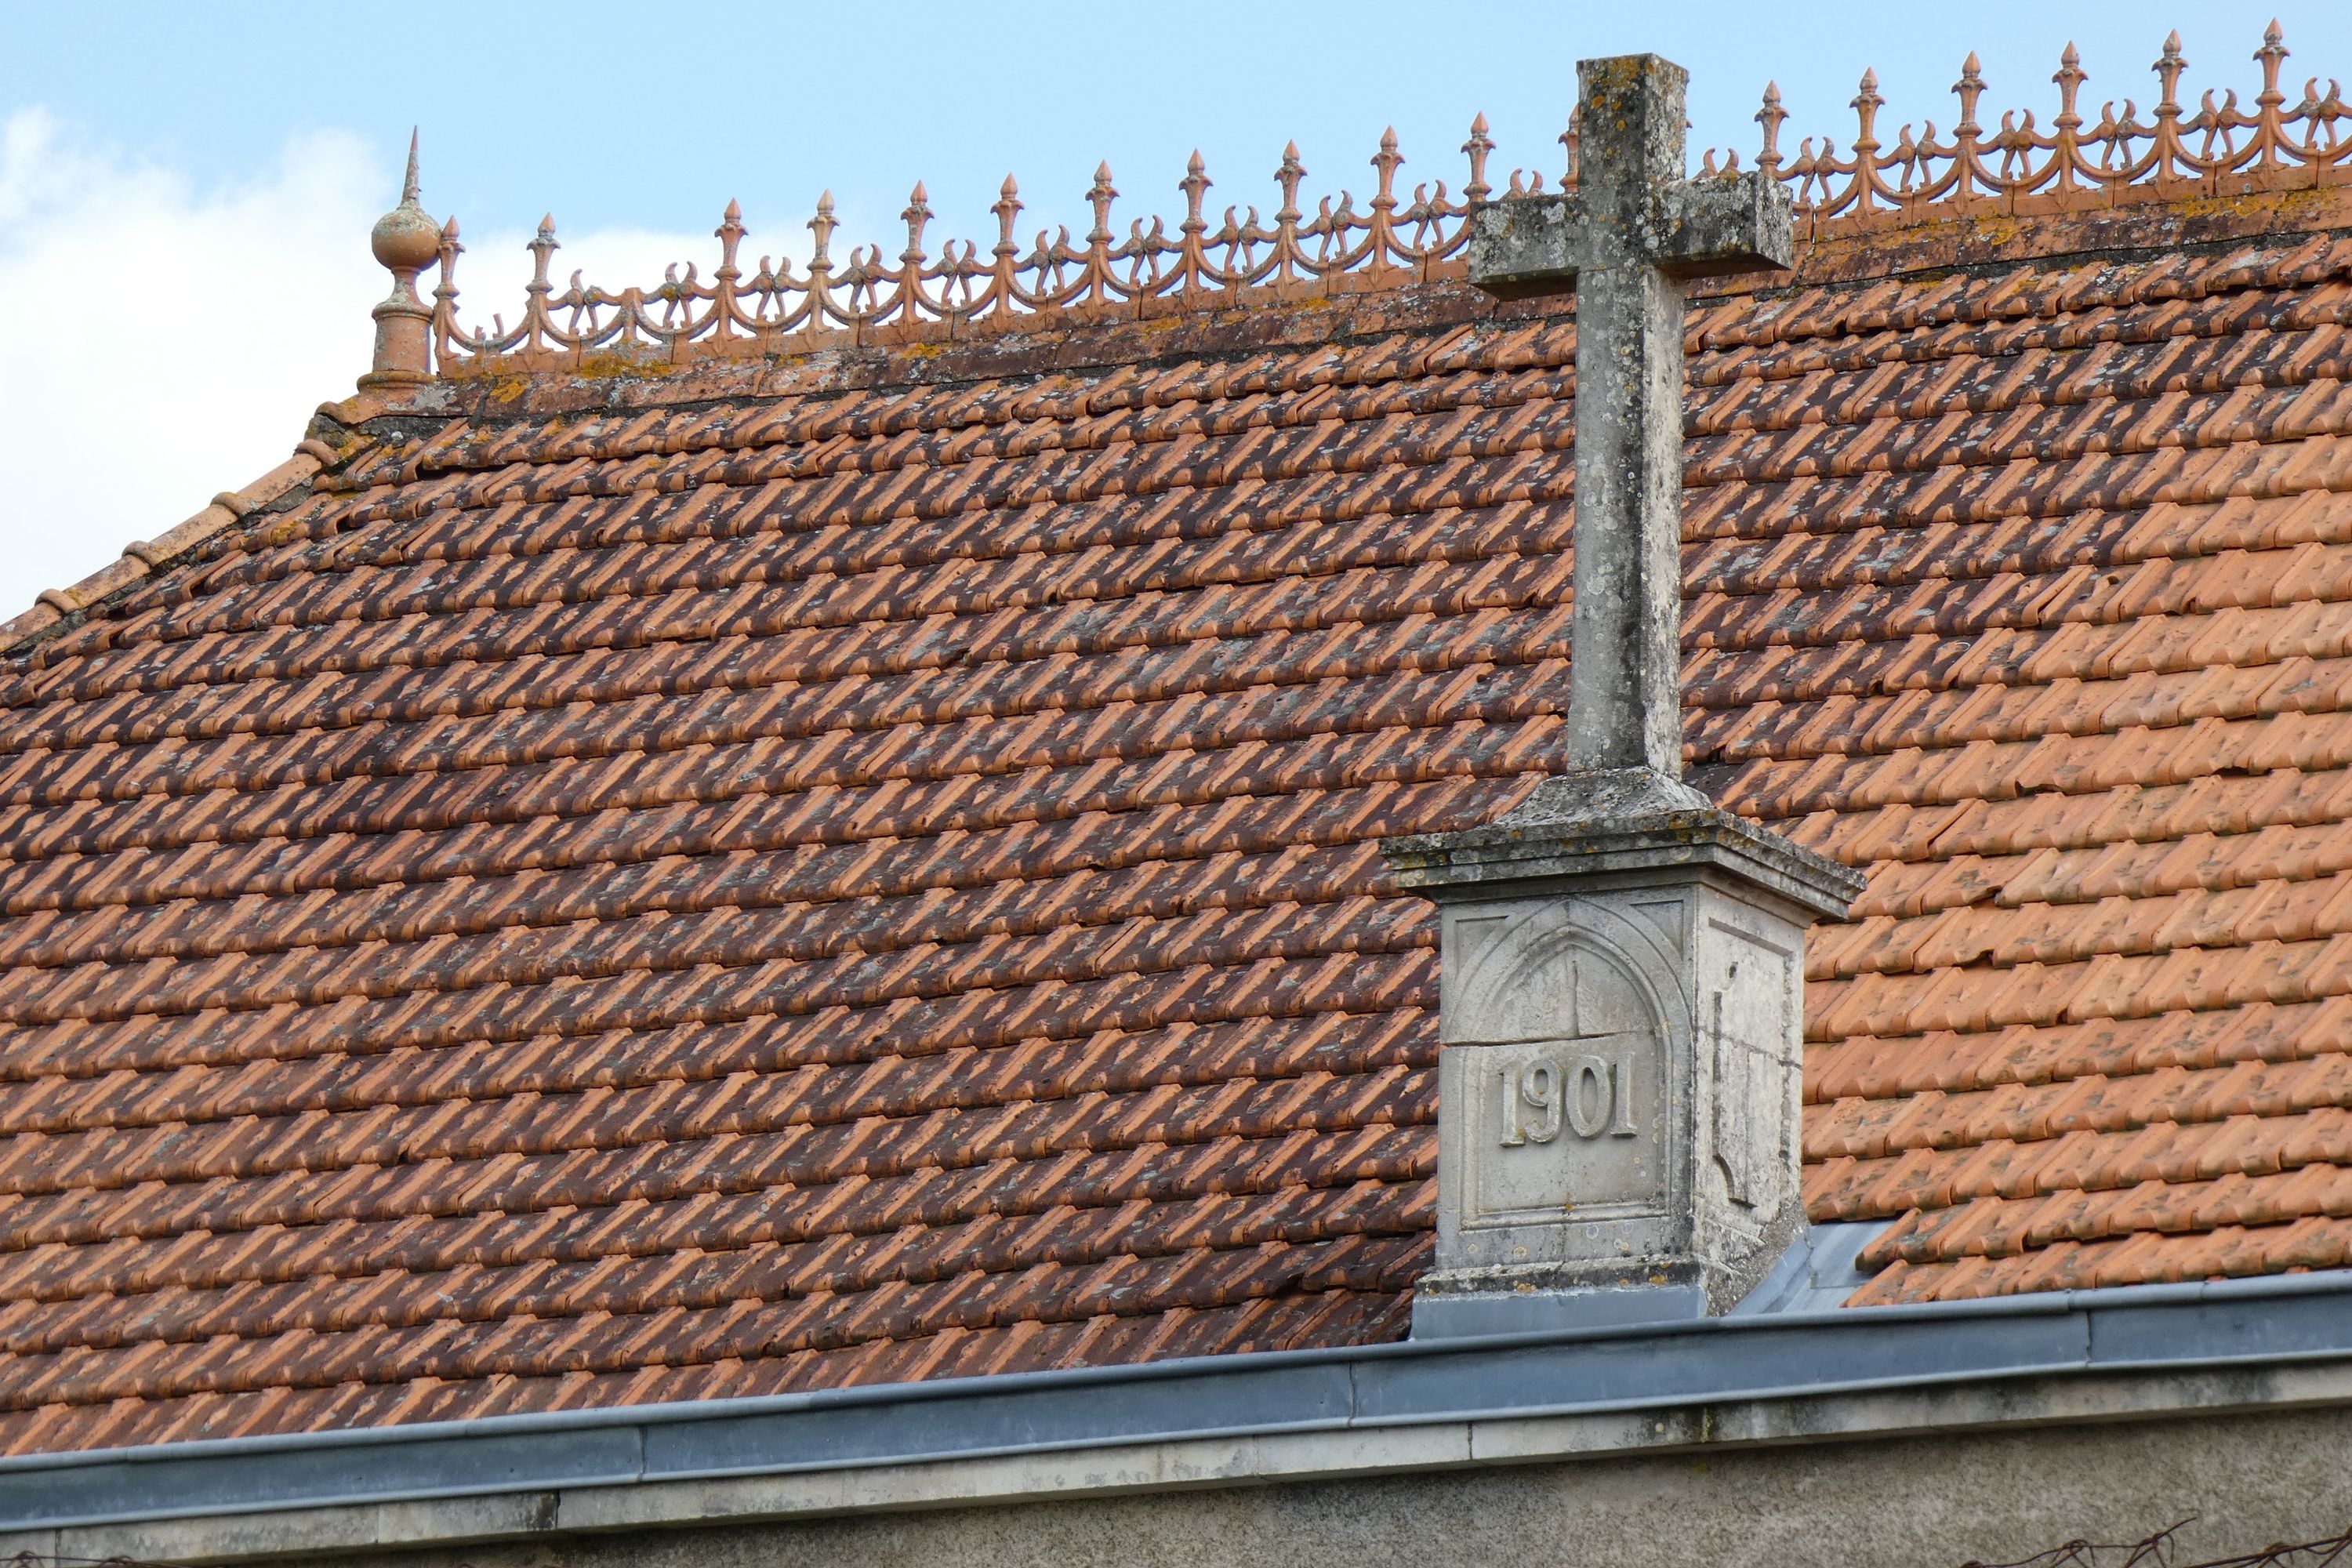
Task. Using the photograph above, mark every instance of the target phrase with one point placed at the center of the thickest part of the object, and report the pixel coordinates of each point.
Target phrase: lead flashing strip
(1661, 1368)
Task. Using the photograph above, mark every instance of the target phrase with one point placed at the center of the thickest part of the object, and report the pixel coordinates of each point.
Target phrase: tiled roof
(750, 874)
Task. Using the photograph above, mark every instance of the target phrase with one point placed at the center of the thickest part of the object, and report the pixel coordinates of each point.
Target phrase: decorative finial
(2070, 80)
(445, 292)
(1867, 102)
(2271, 55)
(1970, 88)
(1384, 165)
(1769, 117)
(1196, 185)
(1008, 211)
(917, 216)
(406, 242)
(823, 226)
(1480, 145)
(1285, 219)
(1099, 196)
(2167, 68)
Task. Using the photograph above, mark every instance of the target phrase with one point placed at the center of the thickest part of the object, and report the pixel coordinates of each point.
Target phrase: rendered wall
(1934, 1502)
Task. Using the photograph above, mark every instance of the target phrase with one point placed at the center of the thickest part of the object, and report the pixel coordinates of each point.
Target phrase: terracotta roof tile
(834, 880)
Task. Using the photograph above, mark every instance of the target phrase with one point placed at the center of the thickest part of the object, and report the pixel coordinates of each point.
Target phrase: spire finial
(1769, 117)
(405, 241)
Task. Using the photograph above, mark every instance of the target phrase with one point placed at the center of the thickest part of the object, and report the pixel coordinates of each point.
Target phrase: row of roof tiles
(783, 889)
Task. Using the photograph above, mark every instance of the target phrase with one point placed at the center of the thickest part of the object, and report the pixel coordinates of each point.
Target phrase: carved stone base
(1623, 1021)
(1537, 1297)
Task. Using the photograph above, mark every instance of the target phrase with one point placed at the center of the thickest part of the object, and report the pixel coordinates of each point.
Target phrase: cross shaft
(1625, 242)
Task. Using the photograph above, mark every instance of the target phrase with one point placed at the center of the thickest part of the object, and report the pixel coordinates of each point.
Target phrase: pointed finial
(2070, 80)
(445, 292)
(1480, 145)
(405, 241)
(1287, 177)
(543, 247)
(918, 216)
(1970, 88)
(821, 225)
(2167, 68)
(1196, 185)
(730, 233)
(1007, 209)
(1100, 197)
(1385, 164)
(2273, 54)
(1865, 105)
(1770, 117)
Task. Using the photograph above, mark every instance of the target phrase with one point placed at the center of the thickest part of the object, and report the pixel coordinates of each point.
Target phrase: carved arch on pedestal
(1502, 991)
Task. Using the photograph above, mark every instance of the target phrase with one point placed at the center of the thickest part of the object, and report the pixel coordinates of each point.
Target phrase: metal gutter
(2165, 1328)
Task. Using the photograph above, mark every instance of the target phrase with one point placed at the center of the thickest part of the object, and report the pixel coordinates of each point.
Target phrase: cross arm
(1528, 246)
(1710, 228)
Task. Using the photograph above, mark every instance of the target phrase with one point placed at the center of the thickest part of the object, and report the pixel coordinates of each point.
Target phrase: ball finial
(405, 241)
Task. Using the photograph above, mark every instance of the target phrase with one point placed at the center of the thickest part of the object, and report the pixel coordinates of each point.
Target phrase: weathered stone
(1625, 240)
(1622, 1019)
(1621, 1002)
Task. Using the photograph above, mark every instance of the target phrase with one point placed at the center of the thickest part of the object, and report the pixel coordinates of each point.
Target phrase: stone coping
(2177, 1348)
(1578, 827)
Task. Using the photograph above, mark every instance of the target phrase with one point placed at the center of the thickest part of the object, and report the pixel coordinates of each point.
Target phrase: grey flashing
(1649, 1367)
(1817, 1273)
(1821, 1269)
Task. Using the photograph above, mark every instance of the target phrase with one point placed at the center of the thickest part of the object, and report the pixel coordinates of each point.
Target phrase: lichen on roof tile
(802, 834)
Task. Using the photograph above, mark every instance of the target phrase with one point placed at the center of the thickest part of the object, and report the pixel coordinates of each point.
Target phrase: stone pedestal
(1621, 1015)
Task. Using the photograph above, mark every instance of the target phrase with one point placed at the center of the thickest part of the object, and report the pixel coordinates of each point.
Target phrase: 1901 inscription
(1594, 1096)
(1568, 1125)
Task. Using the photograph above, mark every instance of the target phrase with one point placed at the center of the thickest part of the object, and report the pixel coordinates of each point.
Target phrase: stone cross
(1621, 996)
(1625, 241)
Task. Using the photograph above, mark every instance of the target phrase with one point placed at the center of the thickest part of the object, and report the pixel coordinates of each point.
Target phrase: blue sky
(184, 189)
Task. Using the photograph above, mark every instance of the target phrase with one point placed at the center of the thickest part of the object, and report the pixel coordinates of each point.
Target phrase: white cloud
(161, 342)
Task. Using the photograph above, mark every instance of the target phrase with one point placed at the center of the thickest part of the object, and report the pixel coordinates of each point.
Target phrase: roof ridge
(2217, 149)
(53, 608)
